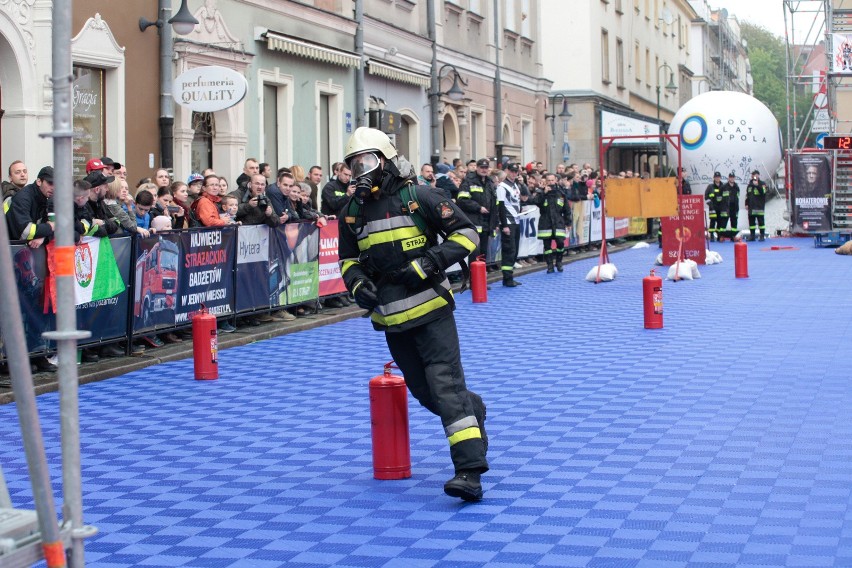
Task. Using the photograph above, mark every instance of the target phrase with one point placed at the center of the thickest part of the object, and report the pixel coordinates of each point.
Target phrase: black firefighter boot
(559, 261)
(509, 279)
(548, 258)
(465, 485)
(762, 235)
(751, 236)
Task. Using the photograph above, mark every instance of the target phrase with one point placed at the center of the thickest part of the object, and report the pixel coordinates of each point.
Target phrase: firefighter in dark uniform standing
(509, 212)
(755, 204)
(555, 217)
(476, 198)
(733, 201)
(715, 201)
(395, 269)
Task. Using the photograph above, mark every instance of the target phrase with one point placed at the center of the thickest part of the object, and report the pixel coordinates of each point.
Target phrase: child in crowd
(230, 204)
(144, 202)
(161, 223)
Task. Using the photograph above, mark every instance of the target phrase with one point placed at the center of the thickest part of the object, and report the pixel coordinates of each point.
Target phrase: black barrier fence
(165, 278)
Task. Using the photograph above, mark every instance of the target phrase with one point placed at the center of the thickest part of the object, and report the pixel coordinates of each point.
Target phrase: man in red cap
(95, 164)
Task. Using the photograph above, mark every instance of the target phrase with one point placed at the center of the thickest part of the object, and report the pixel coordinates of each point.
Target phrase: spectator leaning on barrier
(336, 192)
(314, 180)
(115, 198)
(301, 204)
(180, 208)
(100, 211)
(26, 212)
(277, 198)
(142, 212)
(206, 207)
(18, 178)
(257, 210)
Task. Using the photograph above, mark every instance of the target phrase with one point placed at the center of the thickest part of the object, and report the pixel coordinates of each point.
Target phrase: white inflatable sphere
(725, 131)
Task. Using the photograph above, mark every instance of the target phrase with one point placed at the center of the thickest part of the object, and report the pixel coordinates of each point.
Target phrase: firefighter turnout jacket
(555, 212)
(383, 238)
(756, 196)
(717, 197)
(474, 193)
(26, 215)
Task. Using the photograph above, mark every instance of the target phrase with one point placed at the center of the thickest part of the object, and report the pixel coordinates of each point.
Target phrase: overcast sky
(770, 15)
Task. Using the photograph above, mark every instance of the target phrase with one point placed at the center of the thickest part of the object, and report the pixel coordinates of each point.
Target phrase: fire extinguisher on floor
(389, 425)
(652, 300)
(205, 345)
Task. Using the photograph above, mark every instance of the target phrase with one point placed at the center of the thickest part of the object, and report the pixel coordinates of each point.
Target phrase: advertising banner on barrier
(106, 316)
(330, 281)
(529, 244)
(691, 234)
(294, 269)
(30, 266)
(582, 223)
(206, 274)
(156, 281)
(637, 226)
(811, 192)
(253, 251)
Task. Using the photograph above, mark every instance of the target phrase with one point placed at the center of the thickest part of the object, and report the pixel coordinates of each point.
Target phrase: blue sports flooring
(723, 440)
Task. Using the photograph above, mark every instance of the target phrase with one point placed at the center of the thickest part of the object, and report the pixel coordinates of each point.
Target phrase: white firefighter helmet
(369, 140)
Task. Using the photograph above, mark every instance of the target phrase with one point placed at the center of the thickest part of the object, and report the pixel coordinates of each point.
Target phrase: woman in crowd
(180, 196)
(115, 201)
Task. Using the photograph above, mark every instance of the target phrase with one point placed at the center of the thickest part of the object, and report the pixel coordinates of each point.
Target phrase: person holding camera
(257, 210)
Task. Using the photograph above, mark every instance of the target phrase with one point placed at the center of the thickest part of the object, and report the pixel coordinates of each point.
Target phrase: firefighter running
(392, 263)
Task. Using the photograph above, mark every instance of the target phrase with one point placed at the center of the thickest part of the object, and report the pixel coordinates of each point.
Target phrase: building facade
(303, 64)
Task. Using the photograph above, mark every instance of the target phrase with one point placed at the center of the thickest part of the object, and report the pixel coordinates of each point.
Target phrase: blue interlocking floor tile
(722, 440)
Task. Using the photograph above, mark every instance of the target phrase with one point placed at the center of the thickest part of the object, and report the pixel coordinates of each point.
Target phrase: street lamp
(455, 94)
(672, 89)
(183, 23)
(560, 98)
(564, 115)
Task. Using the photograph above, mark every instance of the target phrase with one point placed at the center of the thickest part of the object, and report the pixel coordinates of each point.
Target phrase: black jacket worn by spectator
(300, 211)
(334, 197)
(474, 193)
(27, 215)
(243, 181)
(249, 214)
(280, 202)
(686, 189)
(84, 223)
(102, 212)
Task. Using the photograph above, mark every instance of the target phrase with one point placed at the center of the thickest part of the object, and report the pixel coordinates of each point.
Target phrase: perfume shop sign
(209, 89)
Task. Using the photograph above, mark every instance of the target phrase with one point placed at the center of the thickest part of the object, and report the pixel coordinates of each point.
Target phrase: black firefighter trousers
(430, 360)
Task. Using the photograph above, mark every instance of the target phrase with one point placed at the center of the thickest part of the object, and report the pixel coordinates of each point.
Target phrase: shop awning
(311, 50)
(397, 74)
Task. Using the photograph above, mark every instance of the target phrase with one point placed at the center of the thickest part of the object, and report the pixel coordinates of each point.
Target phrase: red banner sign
(685, 230)
(330, 281)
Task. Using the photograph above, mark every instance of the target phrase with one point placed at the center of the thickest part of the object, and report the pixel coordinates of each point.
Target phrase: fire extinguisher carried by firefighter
(205, 345)
(478, 280)
(389, 425)
(652, 299)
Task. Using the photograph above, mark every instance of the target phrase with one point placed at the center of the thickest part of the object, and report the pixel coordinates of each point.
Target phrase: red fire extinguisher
(741, 260)
(389, 424)
(652, 299)
(478, 280)
(205, 345)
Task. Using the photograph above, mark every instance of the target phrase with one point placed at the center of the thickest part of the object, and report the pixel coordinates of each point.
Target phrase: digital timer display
(837, 142)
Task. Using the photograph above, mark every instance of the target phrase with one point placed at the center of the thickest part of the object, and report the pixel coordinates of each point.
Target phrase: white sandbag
(608, 272)
(693, 266)
(681, 269)
(712, 257)
(659, 260)
(640, 246)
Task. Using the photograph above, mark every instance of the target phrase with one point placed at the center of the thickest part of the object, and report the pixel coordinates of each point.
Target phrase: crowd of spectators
(105, 206)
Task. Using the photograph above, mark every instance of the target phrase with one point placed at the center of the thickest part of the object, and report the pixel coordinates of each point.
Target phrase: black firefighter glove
(365, 294)
(416, 272)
